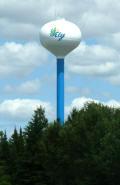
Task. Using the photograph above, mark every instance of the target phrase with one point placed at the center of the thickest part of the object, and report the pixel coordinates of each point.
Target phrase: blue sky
(28, 71)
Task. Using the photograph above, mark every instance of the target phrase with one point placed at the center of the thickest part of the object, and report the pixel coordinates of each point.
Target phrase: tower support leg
(60, 89)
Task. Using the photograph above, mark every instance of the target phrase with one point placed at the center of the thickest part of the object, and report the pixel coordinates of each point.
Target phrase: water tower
(60, 37)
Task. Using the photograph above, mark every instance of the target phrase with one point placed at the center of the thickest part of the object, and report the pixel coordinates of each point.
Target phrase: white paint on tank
(60, 37)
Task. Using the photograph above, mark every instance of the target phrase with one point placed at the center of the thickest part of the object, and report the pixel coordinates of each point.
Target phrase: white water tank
(60, 37)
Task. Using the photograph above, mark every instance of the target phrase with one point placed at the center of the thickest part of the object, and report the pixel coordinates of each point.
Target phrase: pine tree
(4, 159)
(35, 149)
(17, 151)
(4, 177)
(4, 148)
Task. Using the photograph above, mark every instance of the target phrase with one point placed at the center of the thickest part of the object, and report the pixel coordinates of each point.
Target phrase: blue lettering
(62, 36)
(59, 35)
(56, 34)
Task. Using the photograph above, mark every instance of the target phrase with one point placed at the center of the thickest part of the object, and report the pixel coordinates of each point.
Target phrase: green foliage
(34, 170)
(4, 177)
(96, 130)
(84, 151)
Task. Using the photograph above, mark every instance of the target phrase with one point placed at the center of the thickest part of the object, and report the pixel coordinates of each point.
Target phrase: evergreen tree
(17, 151)
(83, 151)
(4, 148)
(54, 150)
(35, 149)
(4, 160)
(4, 177)
(86, 132)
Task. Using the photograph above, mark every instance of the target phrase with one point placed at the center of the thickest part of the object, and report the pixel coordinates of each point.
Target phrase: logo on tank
(57, 34)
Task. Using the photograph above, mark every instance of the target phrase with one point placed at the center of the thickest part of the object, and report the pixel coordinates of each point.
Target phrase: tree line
(83, 151)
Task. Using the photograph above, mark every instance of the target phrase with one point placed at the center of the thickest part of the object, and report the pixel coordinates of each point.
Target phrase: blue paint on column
(60, 89)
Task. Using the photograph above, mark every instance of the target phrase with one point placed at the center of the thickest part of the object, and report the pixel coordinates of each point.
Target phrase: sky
(28, 71)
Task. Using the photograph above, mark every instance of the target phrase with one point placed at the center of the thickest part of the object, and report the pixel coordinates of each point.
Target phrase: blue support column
(60, 89)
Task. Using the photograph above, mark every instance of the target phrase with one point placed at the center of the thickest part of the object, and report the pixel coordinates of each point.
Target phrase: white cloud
(79, 103)
(112, 40)
(25, 88)
(19, 60)
(21, 20)
(95, 27)
(18, 31)
(112, 103)
(21, 110)
(17, 21)
(94, 60)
